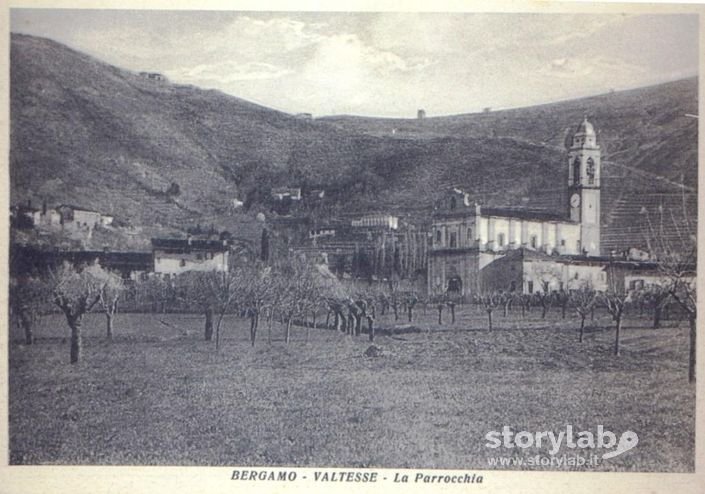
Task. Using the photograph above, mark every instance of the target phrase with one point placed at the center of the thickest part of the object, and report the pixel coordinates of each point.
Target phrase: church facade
(476, 248)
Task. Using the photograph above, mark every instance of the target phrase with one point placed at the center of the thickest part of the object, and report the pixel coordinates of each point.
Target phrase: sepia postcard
(351, 247)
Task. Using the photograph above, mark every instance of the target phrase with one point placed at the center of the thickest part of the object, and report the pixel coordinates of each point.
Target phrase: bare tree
(562, 299)
(258, 284)
(110, 293)
(583, 300)
(301, 291)
(490, 301)
(656, 297)
(222, 288)
(27, 297)
(676, 255)
(194, 290)
(410, 300)
(76, 292)
(615, 299)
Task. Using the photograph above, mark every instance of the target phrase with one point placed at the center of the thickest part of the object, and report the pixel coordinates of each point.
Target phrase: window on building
(562, 242)
(575, 276)
(545, 287)
(453, 203)
(534, 241)
(438, 236)
(513, 286)
(590, 171)
(182, 263)
(560, 286)
(453, 240)
(530, 287)
(636, 284)
(576, 171)
(199, 256)
(500, 239)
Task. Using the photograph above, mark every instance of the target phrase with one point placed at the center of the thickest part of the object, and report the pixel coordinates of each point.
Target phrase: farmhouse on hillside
(173, 256)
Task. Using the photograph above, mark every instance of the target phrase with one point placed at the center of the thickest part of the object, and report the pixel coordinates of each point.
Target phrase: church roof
(525, 214)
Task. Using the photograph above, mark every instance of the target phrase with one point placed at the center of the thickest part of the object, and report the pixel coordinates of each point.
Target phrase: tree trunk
(270, 321)
(217, 330)
(410, 313)
(440, 315)
(396, 311)
(452, 314)
(592, 314)
(582, 327)
(209, 324)
(76, 339)
(563, 309)
(616, 335)
(28, 325)
(505, 309)
(657, 316)
(288, 330)
(253, 327)
(328, 320)
(109, 326)
(489, 317)
(358, 324)
(370, 329)
(691, 356)
(523, 310)
(544, 309)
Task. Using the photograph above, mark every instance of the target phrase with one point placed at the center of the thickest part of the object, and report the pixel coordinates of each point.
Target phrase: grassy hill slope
(88, 133)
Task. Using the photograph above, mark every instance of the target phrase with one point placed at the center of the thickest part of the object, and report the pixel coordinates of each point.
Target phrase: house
(528, 271)
(77, 217)
(629, 275)
(174, 256)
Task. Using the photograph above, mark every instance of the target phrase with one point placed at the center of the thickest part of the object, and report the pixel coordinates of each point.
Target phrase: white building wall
(168, 263)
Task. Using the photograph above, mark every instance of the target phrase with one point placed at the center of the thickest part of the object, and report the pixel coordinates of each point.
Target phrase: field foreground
(159, 395)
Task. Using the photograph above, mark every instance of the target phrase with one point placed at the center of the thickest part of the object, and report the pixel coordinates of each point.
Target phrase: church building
(476, 248)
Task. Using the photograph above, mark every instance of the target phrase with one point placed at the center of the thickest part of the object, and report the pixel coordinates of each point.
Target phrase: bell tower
(584, 186)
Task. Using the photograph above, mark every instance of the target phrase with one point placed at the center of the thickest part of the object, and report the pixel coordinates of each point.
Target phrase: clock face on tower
(575, 200)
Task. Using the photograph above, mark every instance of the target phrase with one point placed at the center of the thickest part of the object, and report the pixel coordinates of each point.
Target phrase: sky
(383, 64)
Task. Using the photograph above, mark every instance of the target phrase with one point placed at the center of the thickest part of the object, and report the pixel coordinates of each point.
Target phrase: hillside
(87, 133)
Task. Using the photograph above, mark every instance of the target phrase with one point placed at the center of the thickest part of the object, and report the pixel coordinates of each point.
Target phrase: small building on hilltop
(174, 256)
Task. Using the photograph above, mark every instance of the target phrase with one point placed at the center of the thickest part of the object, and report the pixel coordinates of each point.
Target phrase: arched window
(576, 171)
(591, 171)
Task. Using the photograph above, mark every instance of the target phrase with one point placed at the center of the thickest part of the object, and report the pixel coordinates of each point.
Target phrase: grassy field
(158, 394)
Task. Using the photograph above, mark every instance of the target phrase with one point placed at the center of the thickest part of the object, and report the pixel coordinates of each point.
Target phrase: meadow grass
(160, 395)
